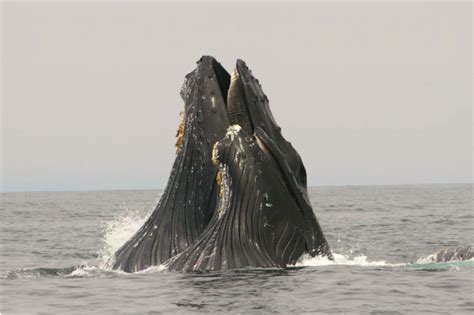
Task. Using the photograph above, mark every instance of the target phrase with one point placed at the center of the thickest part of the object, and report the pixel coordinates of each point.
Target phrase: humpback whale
(190, 196)
(237, 194)
(459, 253)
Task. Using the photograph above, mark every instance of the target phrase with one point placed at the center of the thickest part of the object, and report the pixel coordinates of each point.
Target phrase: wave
(29, 273)
(432, 263)
(121, 228)
(80, 271)
(25, 273)
(85, 270)
(427, 263)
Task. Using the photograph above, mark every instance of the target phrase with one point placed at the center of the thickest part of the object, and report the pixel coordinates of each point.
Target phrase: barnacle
(219, 183)
(180, 132)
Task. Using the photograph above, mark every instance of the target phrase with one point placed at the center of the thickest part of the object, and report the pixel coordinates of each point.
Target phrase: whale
(237, 193)
(452, 254)
(189, 198)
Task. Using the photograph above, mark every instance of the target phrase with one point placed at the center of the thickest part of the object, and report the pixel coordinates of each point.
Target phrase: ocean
(54, 243)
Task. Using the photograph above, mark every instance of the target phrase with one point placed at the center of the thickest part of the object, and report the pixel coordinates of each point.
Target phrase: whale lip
(247, 104)
(316, 243)
(208, 71)
(257, 105)
(268, 146)
(205, 92)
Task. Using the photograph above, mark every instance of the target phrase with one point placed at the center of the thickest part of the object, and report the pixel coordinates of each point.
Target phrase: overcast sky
(367, 93)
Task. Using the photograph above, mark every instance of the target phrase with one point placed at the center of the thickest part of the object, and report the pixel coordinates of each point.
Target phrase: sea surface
(54, 243)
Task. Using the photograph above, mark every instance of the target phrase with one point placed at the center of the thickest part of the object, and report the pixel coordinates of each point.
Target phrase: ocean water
(54, 243)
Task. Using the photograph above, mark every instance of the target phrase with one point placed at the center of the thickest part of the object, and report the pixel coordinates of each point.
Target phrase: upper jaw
(246, 97)
(209, 77)
(204, 92)
(258, 115)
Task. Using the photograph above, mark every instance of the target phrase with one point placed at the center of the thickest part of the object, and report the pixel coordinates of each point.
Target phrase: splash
(343, 260)
(152, 269)
(83, 271)
(119, 230)
(427, 263)
(426, 260)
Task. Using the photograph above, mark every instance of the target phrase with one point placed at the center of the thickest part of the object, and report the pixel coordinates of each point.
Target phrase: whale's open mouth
(246, 104)
(223, 78)
(228, 139)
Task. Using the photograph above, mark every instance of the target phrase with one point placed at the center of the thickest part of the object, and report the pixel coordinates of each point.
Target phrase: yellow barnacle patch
(219, 183)
(180, 132)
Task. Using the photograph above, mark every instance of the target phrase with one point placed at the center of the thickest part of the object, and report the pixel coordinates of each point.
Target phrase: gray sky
(367, 93)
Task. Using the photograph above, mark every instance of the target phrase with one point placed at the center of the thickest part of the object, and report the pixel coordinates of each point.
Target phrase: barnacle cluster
(180, 132)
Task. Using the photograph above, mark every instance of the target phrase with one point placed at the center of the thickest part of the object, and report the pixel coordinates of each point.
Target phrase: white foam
(426, 260)
(119, 230)
(343, 260)
(152, 269)
(81, 271)
(432, 259)
(232, 131)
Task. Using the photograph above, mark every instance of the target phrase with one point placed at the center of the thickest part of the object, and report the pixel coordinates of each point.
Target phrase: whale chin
(237, 194)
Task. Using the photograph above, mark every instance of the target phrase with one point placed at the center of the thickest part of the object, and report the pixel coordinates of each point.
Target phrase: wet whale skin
(246, 206)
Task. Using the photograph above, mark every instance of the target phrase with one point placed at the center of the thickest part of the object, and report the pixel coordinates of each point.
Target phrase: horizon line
(309, 186)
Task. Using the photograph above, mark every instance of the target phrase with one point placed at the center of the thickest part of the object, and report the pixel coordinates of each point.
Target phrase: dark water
(52, 246)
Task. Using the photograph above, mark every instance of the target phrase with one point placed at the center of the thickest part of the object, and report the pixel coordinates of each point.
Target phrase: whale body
(237, 194)
(459, 253)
